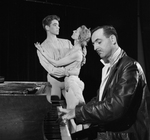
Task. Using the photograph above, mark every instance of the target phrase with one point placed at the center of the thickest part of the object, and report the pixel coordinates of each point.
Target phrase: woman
(73, 85)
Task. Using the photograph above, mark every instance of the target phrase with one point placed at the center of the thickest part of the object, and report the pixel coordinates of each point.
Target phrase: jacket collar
(112, 71)
(113, 59)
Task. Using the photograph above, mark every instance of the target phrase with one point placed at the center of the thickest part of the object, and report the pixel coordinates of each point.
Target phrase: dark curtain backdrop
(21, 27)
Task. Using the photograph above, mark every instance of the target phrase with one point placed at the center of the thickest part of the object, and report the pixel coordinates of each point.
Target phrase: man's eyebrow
(98, 39)
(55, 24)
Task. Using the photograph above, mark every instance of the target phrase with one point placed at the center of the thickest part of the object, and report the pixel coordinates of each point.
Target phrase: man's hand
(68, 113)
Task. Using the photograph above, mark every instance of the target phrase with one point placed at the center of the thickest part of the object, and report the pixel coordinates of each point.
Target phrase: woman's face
(76, 33)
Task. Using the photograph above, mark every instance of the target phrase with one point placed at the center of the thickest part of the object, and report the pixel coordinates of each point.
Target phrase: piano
(26, 114)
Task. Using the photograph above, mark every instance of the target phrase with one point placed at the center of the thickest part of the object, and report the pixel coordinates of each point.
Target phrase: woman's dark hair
(48, 19)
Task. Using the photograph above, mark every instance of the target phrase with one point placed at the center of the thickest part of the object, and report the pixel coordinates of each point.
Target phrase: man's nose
(95, 47)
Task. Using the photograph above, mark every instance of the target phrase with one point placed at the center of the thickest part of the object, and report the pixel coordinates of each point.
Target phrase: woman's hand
(38, 46)
(59, 71)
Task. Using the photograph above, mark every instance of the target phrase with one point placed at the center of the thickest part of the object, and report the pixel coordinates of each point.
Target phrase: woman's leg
(71, 99)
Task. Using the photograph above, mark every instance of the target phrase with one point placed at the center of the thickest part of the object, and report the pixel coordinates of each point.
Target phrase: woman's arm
(68, 59)
(43, 59)
(57, 72)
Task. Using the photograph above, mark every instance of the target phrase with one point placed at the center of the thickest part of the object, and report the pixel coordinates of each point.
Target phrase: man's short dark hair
(48, 19)
(108, 30)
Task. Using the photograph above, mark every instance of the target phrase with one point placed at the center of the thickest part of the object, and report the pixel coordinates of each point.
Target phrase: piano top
(21, 87)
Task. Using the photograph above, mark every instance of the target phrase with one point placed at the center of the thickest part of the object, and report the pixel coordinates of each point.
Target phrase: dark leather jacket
(122, 114)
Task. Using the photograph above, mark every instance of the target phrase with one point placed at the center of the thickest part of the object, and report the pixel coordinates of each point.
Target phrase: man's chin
(105, 59)
(57, 33)
(101, 56)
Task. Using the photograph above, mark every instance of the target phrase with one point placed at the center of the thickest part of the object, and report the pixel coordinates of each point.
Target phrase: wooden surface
(22, 115)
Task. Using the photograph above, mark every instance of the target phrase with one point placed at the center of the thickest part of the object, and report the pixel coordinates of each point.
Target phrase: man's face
(53, 28)
(102, 44)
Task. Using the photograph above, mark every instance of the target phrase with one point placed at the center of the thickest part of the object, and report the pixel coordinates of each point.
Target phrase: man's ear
(113, 39)
(46, 27)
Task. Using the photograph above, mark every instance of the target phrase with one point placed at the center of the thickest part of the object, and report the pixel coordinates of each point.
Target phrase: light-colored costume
(74, 88)
(73, 85)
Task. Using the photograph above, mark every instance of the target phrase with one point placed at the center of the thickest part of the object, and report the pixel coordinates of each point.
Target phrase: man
(55, 48)
(120, 109)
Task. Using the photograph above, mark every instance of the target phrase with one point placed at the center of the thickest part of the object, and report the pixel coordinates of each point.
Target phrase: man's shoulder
(45, 44)
(127, 61)
(64, 40)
